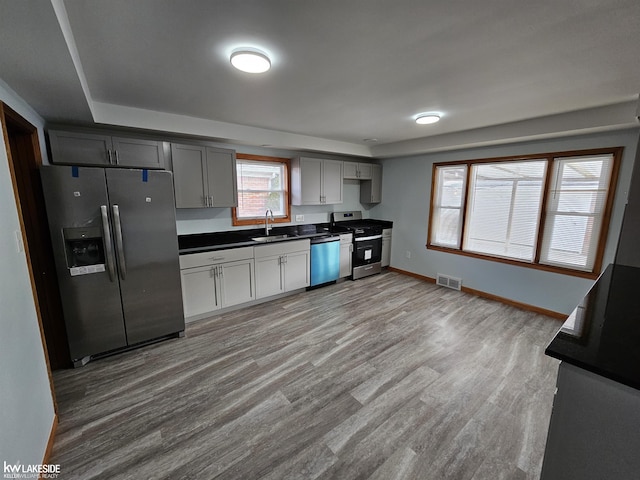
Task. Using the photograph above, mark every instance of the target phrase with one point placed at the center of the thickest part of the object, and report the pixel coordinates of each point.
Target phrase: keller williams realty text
(31, 471)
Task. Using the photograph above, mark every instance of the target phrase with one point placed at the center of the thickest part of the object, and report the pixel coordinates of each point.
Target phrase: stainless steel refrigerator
(116, 252)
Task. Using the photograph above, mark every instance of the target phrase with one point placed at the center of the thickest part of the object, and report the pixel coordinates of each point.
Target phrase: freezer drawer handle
(107, 242)
(119, 246)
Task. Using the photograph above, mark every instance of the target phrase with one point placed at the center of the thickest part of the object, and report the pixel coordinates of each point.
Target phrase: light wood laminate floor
(387, 377)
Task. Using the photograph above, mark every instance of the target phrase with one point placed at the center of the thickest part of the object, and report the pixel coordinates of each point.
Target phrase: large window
(263, 184)
(547, 211)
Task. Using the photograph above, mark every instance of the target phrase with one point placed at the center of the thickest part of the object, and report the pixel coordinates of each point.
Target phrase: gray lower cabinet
(215, 280)
(316, 181)
(282, 267)
(386, 247)
(96, 149)
(346, 254)
(371, 190)
(204, 177)
(593, 431)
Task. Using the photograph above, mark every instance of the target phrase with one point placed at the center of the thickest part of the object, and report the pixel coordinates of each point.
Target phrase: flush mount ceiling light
(427, 118)
(250, 60)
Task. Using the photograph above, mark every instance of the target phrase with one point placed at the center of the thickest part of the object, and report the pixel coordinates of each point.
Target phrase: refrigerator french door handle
(107, 242)
(117, 227)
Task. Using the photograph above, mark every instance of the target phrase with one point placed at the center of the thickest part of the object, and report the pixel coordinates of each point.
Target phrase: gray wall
(406, 196)
(26, 405)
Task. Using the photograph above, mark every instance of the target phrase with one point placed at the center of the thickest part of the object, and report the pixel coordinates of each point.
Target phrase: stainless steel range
(367, 242)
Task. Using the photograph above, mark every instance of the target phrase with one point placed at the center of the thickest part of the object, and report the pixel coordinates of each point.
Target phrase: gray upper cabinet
(204, 177)
(85, 148)
(316, 181)
(371, 190)
(357, 171)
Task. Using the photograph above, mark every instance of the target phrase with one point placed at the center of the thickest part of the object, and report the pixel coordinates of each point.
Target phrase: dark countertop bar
(602, 335)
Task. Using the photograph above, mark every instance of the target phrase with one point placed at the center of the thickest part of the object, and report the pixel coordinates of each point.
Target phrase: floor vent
(449, 282)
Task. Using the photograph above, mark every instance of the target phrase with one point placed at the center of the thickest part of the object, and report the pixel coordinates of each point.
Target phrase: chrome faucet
(267, 227)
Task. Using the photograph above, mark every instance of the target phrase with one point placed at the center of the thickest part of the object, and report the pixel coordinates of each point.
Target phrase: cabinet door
(376, 184)
(269, 276)
(365, 171)
(386, 250)
(332, 181)
(296, 270)
(371, 190)
(72, 148)
(346, 250)
(236, 282)
(221, 177)
(135, 152)
(198, 290)
(189, 170)
(310, 181)
(350, 170)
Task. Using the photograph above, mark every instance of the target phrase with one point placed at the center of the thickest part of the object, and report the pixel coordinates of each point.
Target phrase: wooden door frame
(10, 119)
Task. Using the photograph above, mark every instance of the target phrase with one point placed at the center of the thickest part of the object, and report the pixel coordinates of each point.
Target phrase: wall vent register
(449, 282)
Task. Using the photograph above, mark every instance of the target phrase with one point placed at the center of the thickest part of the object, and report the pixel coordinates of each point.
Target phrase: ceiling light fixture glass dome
(250, 60)
(427, 118)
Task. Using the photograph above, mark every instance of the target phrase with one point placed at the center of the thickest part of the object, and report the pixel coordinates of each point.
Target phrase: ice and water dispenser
(84, 250)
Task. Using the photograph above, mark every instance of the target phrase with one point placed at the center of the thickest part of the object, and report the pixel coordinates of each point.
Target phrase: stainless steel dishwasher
(325, 260)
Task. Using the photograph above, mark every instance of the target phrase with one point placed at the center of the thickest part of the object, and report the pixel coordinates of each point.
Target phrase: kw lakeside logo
(31, 471)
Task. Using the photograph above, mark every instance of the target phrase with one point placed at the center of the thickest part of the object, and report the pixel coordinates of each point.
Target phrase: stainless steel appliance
(325, 260)
(367, 242)
(116, 252)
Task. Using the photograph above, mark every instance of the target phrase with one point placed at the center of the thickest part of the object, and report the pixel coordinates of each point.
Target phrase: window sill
(258, 221)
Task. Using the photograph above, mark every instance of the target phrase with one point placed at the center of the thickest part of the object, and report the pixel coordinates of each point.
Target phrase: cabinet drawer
(217, 256)
(282, 248)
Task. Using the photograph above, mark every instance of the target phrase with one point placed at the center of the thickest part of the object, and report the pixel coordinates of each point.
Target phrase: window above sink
(263, 184)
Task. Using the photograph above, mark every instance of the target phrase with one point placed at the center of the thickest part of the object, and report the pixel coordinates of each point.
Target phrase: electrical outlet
(408, 254)
(299, 218)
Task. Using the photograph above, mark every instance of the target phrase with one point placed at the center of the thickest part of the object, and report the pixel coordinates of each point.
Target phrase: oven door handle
(363, 239)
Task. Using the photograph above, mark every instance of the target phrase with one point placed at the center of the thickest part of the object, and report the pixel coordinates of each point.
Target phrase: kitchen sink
(270, 238)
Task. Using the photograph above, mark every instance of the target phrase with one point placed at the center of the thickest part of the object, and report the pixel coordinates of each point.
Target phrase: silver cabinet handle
(107, 242)
(117, 159)
(205, 201)
(220, 271)
(211, 201)
(109, 154)
(117, 227)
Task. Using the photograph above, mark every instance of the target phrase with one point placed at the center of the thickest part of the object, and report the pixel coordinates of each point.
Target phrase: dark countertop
(207, 242)
(602, 335)
(382, 223)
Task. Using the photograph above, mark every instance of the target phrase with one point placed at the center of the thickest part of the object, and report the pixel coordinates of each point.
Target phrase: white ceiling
(342, 70)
